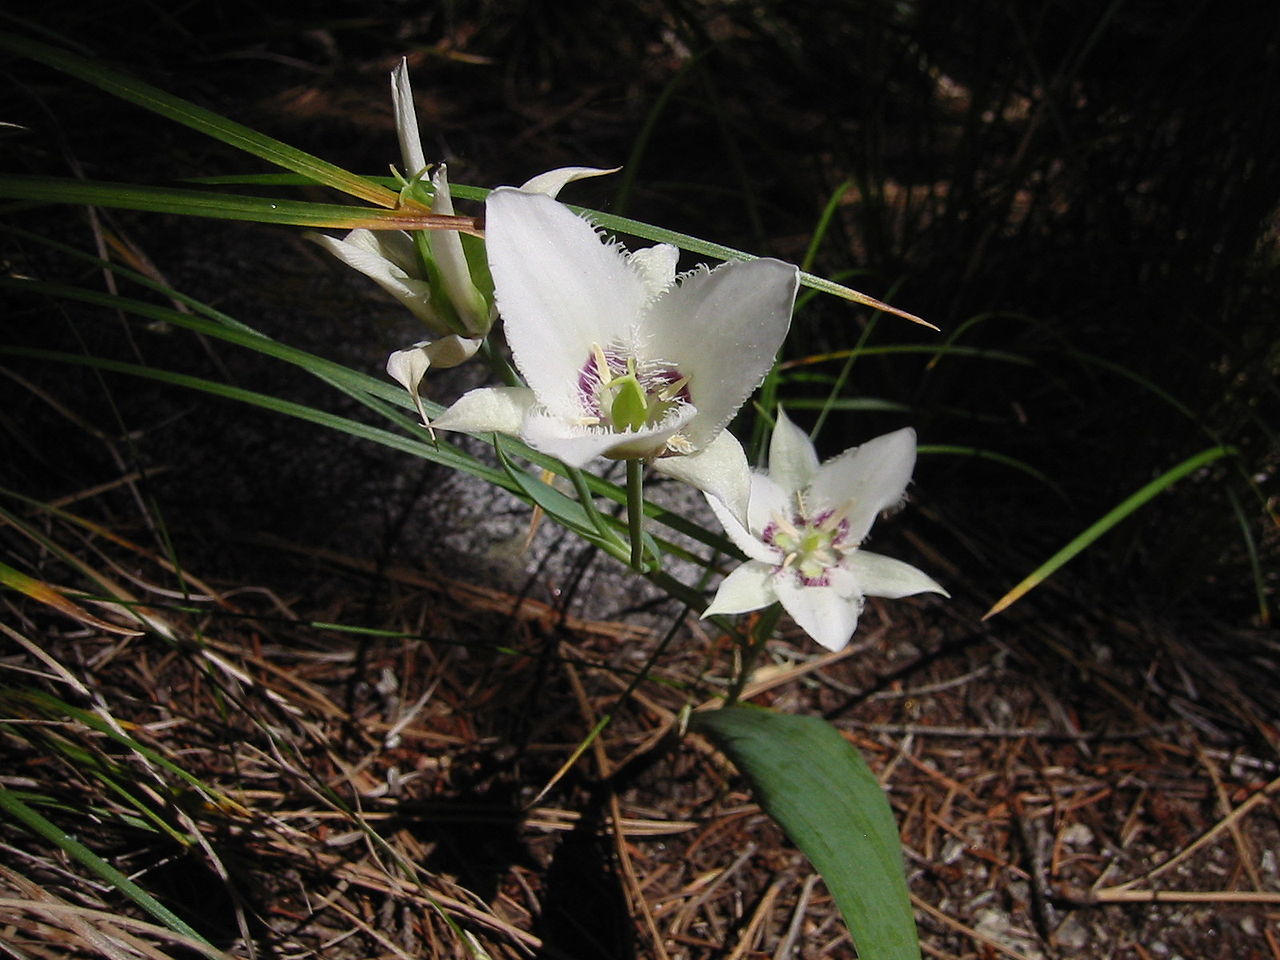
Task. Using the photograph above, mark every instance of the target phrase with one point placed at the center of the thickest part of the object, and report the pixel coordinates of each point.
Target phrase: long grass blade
(73, 848)
(224, 206)
(1095, 530)
(706, 248)
(198, 118)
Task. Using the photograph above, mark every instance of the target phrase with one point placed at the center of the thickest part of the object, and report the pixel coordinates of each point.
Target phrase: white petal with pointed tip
(827, 614)
(743, 538)
(487, 410)
(792, 460)
(722, 328)
(415, 162)
(559, 290)
(657, 265)
(553, 181)
(749, 587)
(719, 469)
(872, 477)
(385, 261)
(881, 576)
(455, 275)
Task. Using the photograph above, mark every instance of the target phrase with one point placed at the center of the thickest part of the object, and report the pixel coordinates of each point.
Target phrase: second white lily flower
(804, 527)
(621, 359)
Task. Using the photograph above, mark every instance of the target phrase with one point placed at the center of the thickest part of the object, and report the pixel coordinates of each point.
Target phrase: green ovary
(807, 548)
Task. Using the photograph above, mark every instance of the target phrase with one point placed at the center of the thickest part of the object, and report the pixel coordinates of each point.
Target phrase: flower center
(810, 545)
(623, 395)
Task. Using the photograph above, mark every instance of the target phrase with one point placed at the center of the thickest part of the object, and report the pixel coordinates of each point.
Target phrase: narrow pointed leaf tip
(805, 775)
(1099, 527)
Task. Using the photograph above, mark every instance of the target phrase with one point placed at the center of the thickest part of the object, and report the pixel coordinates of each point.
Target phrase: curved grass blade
(982, 453)
(205, 121)
(224, 206)
(52, 596)
(806, 776)
(959, 351)
(1095, 530)
(73, 848)
(1255, 565)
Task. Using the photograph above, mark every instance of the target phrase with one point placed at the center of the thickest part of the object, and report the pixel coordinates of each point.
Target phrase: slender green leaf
(684, 241)
(221, 206)
(994, 456)
(1095, 530)
(35, 822)
(198, 118)
(810, 779)
(958, 351)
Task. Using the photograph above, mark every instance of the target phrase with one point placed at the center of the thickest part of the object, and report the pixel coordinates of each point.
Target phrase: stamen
(836, 517)
(602, 364)
(787, 526)
(672, 390)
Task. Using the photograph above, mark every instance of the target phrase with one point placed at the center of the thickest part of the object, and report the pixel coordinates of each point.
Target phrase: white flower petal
(487, 410)
(553, 181)
(415, 162)
(825, 613)
(871, 478)
(407, 367)
(387, 262)
(578, 444)
(722, 329)
(768, 500)
(657, 265)
(793, 462)
(719, 469)
(742, 538)
(880, 576)
(749, 587)
(455, 275)
(559, 289)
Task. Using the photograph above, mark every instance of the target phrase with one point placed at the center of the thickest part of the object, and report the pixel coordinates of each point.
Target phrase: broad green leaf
(810, 779)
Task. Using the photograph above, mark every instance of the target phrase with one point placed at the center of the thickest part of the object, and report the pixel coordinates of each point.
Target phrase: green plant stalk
(751, 650)
(579, 480)
(635, 512)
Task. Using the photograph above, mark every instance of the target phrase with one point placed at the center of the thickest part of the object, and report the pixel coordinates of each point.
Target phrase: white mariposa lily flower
(804, 525)
(621, 359)
(454, 309)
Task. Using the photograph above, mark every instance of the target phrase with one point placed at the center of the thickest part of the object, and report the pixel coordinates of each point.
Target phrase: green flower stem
(635, 512)
(498, 363)
(587, 499)
(760, 635)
